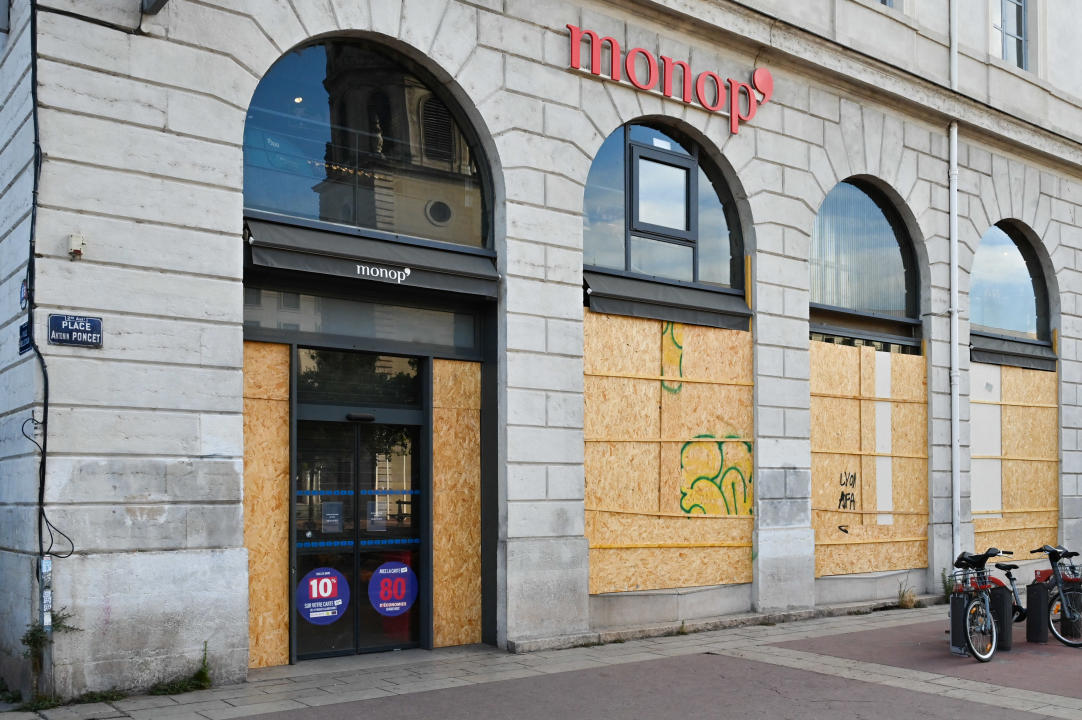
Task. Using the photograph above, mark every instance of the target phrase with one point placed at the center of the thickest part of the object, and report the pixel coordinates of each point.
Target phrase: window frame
(478, 156)
(693, 161)
(638, 152)
(1005, 37)
(1002, 348)
(843, 323)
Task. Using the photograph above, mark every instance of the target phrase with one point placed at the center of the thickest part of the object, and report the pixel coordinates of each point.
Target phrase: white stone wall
(142, 140)
(19, 376)
(1046, 204)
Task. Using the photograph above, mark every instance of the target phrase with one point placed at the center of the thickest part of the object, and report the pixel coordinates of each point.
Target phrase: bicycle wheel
(1067, 631)
(981, 634)
(1019, 613)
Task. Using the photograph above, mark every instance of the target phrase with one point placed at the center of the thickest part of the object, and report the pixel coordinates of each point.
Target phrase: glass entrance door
(357, 506)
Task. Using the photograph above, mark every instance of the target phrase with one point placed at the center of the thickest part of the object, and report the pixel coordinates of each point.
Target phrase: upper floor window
(1010, 31)
(345, 131)
(657, 208)
(864, 282)
(1007, 294)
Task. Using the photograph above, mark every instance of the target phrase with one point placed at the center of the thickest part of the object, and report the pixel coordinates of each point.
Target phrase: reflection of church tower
(396, 160)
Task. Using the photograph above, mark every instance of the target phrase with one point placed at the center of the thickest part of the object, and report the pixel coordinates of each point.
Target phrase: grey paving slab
(336, 698)
(89, 711)
(249, 710)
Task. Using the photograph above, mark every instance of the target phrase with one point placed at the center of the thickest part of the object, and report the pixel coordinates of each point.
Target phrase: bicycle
(973, 580)
(1018, 612)
(1064, 582)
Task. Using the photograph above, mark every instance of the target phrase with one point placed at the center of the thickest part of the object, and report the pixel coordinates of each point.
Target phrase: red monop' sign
(707, 87)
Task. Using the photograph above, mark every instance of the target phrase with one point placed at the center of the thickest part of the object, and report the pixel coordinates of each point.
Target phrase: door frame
(390, 416)
(485, 352)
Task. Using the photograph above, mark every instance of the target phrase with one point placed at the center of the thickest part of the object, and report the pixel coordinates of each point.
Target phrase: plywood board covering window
(1014, 476)
(669, 454)
(456, 502)
(869, 439)
(266, 501)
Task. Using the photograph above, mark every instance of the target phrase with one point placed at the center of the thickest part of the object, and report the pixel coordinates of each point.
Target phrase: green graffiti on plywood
(715, 476)
(672, 355)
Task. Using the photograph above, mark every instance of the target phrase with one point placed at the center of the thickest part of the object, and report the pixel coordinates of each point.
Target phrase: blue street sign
(75, 330)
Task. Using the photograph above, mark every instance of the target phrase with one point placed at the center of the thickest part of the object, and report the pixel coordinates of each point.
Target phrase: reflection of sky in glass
(605, 219)
(603, 226)
(1001, 298)
(714, 250)
(661, 259)
(662, 194)
(281, 135)
(856, 261)
(655, 138)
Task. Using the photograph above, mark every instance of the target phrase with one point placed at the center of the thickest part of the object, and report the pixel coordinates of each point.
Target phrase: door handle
(360, 417)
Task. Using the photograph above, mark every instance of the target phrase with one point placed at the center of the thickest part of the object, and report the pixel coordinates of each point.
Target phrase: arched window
(657, 208)
(348, 132)
(864, 286)
(1008, 302)
(1007, 295)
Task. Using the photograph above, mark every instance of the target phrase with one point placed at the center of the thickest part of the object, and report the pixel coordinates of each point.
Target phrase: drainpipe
(956, 471)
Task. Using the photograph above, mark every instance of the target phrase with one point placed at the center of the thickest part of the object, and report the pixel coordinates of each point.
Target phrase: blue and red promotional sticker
(323, 596)
(392, 589)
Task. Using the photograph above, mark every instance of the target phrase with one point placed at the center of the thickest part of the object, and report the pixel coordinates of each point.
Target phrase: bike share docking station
(983, 609)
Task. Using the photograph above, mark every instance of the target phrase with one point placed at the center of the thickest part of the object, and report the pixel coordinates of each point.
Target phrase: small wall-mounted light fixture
(76, 243)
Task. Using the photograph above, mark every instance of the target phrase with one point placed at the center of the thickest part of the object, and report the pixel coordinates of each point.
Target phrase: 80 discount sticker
(392, 589)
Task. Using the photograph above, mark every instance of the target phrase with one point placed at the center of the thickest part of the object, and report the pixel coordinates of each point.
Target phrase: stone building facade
(123, 197)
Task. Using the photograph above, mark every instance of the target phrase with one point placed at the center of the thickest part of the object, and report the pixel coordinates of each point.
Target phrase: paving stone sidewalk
(340, 680)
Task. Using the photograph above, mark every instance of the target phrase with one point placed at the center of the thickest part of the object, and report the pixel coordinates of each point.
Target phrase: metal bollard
(1003, 613)
(1037, 613)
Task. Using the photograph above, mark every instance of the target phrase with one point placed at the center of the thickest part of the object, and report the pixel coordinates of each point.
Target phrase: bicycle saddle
(975, 562)
(1006, 567)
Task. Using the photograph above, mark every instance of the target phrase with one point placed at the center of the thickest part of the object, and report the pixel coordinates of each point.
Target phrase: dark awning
(999, 350)
(287, 247)
(620, 295)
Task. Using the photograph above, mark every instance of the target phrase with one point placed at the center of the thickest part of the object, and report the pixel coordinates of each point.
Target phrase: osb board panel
(618, 345)
(867, 371)
(870, 557)
(707, 477)
(266, 371)
(836, 424)
(867, 425)
(456, 384)
(908, 377)
(836, 484)
(1030, 432)
(699, 408)
(1028, 485)
(868, 492)
(609, 528)
(456, 526)
(909, 428)
(621, 409)
(834, 368)
(909, 477)
(716, 354)
(1034, 387)
(660, 568)
(266, 526)
(622, 476)
(1020, 541)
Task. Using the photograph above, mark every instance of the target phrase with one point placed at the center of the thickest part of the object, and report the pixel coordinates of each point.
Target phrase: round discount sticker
(323, 596)
(392, 589)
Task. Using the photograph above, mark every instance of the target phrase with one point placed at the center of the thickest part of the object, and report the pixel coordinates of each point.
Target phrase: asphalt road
(687, 686)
